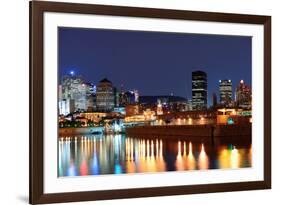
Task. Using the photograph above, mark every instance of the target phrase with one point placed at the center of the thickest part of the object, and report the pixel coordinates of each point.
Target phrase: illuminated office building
(105, 96)
(199, 90)
(243, 96)
(225, 88)
(73, 88)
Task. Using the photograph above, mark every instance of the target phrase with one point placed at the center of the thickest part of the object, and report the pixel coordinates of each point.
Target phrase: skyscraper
(243, 96)
(199, 90)
(75, 89)
(225, 87)
(105, 96)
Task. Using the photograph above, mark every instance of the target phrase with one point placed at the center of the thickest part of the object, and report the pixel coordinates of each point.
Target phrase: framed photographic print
(136, 102)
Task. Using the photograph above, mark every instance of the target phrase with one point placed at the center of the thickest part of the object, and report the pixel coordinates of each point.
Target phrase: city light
(230, 121)
(235, 158)
(203, 161)
(104, 130)
(117, 128)
(191, 162)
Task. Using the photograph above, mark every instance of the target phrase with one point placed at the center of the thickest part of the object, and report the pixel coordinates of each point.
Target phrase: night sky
(155, 63)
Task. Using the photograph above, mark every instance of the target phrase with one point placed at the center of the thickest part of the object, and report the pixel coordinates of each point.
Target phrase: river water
(120, 154)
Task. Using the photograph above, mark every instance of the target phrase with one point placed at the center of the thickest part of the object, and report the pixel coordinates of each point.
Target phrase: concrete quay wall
(192, 130)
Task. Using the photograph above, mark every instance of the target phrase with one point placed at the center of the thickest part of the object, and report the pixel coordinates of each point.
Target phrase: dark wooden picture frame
(37, 10)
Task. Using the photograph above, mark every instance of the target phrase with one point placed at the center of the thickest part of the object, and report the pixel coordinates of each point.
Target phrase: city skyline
(116, 114)
(209, 95)
(83, 50)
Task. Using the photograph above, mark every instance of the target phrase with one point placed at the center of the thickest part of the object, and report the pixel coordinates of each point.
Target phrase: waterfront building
(225, 88)
(243, 96)
(132, 109)
(149, 114)
(93, 116)
(233, 116)
(135, 118)
(105, 96)
(199, 90)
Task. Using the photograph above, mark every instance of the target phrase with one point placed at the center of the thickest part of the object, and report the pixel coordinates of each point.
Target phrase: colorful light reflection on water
(117, 154)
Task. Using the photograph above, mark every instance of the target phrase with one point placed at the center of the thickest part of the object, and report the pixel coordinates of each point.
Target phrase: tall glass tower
(225, 92)
(199, 90)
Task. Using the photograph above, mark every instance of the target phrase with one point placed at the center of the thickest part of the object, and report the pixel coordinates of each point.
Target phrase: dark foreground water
(117, 154)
